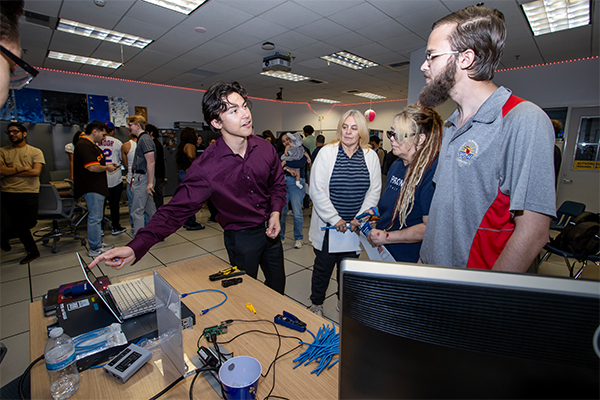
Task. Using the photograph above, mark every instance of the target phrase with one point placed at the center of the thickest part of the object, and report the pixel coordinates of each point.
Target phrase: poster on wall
(587, 148)
(28, 105)
(8, 112)
(64, 108)
(98, 108)
(119, 111)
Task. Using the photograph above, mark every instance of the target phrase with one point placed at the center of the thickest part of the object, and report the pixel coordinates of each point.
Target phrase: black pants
(325, 262)
(212, 209)
(114, 198)
(19, 216)
(250, 247)
(158, 192)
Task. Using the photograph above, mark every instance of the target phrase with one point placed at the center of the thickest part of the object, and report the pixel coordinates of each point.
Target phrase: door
(579, 178)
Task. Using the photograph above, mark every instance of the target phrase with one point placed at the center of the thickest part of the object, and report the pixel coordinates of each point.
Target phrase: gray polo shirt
(145, 144)
(489, 168)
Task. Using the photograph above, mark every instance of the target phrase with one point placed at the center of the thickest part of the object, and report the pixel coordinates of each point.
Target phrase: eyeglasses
(9, 131)
(22, 74)
(429, 57)
(399, 137)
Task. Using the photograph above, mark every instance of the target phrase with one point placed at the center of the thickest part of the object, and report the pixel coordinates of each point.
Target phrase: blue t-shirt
(407, 252)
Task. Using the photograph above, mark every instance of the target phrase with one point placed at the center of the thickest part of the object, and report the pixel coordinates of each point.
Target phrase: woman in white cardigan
(345, 179)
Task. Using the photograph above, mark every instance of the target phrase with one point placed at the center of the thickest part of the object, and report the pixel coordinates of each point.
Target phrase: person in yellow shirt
(21, 165)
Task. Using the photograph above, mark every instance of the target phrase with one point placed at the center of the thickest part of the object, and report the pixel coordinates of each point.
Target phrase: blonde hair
(137, 119)
(422, 121)
(361, 123)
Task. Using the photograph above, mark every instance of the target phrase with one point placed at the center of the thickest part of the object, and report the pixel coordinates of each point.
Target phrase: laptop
(126, 299)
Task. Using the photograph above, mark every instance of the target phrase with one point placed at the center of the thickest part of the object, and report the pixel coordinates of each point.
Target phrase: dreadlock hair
(423, 121)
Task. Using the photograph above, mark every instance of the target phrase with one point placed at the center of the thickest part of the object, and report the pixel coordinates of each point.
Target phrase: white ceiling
(383, 31)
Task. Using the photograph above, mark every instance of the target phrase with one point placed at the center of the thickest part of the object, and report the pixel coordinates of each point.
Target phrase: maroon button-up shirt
(245, 191)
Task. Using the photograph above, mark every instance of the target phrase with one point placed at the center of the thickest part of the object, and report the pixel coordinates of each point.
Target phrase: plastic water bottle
(59, 354)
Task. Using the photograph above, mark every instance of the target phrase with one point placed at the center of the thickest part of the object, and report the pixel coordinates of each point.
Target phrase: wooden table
(186, 277)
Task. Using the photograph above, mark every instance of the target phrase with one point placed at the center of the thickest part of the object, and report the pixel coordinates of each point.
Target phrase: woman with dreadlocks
(416, 137)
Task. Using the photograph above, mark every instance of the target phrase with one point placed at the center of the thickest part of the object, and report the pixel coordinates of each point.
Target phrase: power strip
(127, 362)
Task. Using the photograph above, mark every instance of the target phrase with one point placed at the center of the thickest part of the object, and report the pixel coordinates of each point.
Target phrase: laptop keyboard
(133, 297)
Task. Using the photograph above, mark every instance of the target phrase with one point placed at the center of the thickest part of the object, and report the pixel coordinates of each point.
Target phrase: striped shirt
(349, 183)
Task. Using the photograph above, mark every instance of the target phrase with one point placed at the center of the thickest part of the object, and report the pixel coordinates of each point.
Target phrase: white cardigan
(323, 210)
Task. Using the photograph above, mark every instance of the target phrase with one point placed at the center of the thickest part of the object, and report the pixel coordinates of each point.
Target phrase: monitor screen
(416, 331)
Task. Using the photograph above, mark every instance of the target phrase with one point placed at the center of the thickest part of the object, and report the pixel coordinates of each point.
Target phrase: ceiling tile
(322, 28)
(141, 28)
(385, 29)
(74, 44)
(326, 8)
(87, 12)
(46, 7)
(348, 41)
(290, 15)
(358, 17)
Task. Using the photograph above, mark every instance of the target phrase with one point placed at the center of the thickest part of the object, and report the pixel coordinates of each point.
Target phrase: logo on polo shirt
(467, 152)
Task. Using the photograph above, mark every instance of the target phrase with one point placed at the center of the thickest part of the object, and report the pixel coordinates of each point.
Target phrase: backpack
(581, 236)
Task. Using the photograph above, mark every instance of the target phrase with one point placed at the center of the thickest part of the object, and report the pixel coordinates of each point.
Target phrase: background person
(144, 167)
(90, 182)
(320, 142)
(269, 137)
(70, 149)
(159, 169)
(309, 139)
(21, 166)
(294, 171)
(111, 147)
(184, 156)
(416, 137)
(346, 179)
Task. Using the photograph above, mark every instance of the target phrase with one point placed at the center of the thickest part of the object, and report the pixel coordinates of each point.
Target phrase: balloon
(370, 115)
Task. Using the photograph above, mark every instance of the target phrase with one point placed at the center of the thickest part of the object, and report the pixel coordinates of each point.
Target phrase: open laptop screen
(93, 281)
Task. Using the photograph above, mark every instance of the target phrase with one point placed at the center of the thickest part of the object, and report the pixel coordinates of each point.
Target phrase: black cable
(192, 384)
(165, 390)
(22, 380)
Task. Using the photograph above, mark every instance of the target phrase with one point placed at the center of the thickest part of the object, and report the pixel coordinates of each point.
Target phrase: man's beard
(438, 90)
(17, 141)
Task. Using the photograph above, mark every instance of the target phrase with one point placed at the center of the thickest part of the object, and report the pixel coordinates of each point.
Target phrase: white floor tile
(298, 287)
(17, 357)
(177, 252)
(207, 232)
(14, 313)
(211, 244)
(304, 256)
(14, 292)
(170, 241)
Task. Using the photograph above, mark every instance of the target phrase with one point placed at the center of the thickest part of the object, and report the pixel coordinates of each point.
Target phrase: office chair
(566, 256)
(565, 213)
(58, 208)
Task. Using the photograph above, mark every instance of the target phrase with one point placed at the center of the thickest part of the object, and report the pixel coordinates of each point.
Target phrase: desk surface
(186, 277)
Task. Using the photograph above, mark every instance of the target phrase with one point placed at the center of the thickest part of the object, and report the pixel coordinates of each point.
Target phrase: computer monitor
(416, 331)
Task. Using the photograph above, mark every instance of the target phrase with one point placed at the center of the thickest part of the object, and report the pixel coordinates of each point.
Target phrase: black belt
(139, 171)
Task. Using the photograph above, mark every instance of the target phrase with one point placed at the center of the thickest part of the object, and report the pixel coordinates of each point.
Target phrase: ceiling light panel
(371, 96)
(83, 60)
(182, 6)
(349, 60)
(288, 76)
(547, 16)
(77, 28)
(326, 101)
